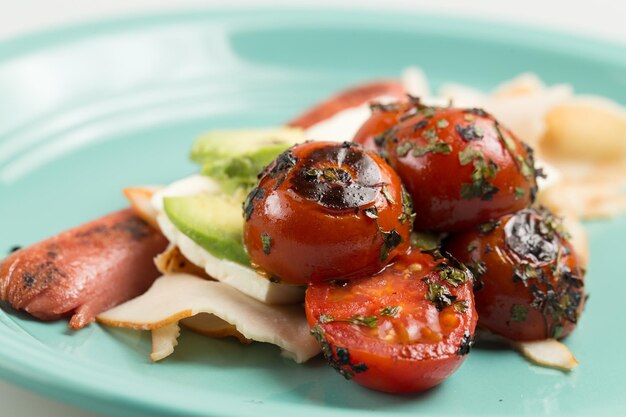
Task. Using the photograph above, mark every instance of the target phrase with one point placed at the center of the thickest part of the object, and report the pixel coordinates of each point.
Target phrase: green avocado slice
(215, 222)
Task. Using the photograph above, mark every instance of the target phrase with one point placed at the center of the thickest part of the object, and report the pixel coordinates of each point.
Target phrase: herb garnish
(438, 294)
(451, 275)
(470, 132)
(391, 239)
(466, 344)
(248, 205)
(341, 361)
(390, 311)
(483, 171)
(461, 306)
(519, 192)
(488, 227)
(403, 149)
(519, 313)
(442, 123)
(360, 320)
(407, 208)
(368, 321)
(266, 241)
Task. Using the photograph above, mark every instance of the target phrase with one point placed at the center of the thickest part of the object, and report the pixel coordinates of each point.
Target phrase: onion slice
(548, 353)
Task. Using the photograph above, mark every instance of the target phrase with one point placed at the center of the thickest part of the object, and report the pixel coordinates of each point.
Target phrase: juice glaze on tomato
(405, 329)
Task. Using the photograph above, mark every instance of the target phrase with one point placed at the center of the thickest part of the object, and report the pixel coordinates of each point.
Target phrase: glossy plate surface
(88, 110)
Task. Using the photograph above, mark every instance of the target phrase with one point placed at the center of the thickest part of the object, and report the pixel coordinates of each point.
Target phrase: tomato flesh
(460, 166)
(530, 280)
(326, 211)
(405, 329)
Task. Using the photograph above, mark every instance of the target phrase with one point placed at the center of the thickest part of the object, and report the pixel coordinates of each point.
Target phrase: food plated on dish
(424, 226)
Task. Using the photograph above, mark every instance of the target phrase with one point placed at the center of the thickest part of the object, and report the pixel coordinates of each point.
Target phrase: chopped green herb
(407, 208)
(248, 205)
(339, 360)
(488, 227)
(519, 313)
(468, 154)
(439, 295)
(431, 135)
(326, 318)
(390, 311)
(461, 306)
(470, 133)
(451, 275)
(519, 192)
(442, 123)
(369, 321)
(466, 344)
(420, 125)
(439, 147)
(391, 239)
(266, 240)
(403, 149)
(526, 167)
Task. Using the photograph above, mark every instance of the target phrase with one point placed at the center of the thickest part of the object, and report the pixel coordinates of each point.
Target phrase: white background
(598, 18)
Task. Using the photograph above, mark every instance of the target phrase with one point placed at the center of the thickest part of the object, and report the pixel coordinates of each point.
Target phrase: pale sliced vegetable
(587, 129)
(139, 199)
(164, 340)
(238, 276)
(596, 195)
(524, 84)
(175, 297)
(548, 353)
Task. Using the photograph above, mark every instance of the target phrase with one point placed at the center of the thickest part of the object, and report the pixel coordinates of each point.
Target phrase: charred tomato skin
(529, 278)
(325, 210)
(405, 329)
(460, 166)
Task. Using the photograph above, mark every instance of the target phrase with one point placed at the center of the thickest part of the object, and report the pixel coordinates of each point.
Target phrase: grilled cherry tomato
(531, 277)
(460, 166)
(405, 329)
(384, 117)
(324, 210)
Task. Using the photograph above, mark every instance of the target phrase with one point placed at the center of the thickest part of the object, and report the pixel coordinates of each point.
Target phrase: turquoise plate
(88, 110)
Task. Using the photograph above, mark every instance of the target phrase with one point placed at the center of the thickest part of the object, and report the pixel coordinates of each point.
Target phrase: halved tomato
(405, 329)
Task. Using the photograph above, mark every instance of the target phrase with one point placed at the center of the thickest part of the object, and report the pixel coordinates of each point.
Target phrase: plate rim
(18, 355)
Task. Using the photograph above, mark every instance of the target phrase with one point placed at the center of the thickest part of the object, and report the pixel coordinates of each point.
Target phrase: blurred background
(599, 18)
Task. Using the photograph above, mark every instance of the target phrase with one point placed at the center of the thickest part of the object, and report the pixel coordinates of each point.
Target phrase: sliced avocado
(215, 222)
(235, 157)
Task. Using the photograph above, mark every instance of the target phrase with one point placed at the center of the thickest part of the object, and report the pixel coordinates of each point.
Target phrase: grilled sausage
(83, 271)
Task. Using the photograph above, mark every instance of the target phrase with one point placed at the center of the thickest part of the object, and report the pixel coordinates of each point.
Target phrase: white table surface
(598, 18)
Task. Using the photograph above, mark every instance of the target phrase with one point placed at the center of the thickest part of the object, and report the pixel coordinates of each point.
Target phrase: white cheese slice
(177, 296)
(244, 279)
